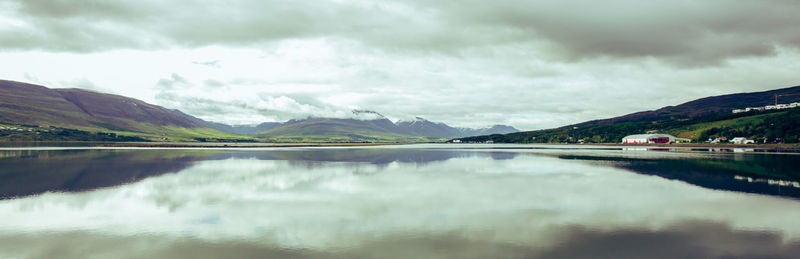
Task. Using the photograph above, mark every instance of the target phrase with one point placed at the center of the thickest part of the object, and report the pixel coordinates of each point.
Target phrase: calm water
(418, 201)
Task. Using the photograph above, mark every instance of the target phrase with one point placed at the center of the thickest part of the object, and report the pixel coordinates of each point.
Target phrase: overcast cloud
(531, 64)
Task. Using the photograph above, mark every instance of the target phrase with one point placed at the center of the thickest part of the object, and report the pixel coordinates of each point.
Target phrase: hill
(340, 130)
(31, 112)
(422, 127)
(372, 127)
(713, 119)
(242, 129)
(495, 129)
(706, 106)
(88, 111)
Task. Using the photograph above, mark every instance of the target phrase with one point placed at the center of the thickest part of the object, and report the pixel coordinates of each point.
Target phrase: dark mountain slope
(495, 129)
(706, 106)
(696, 120)
(115, 109)
(38, 105)
(423, 127)
(336, 129)
(35, 105)
(242, 129)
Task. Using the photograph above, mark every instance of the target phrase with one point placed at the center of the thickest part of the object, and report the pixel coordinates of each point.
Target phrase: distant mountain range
(697, 120)
(366, 125)
(35, 105)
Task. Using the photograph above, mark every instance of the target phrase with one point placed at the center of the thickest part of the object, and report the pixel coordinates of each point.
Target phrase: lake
(405, 201)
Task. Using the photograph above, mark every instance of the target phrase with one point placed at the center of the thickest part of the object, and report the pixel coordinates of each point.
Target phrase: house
(456, 141)
(742, 140)
(648, 139)
(717, 140)
(739, 110)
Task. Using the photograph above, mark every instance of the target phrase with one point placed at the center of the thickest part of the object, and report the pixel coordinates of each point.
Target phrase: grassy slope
(759, 125)
(81, 115)
(694, 131)
(332, 130)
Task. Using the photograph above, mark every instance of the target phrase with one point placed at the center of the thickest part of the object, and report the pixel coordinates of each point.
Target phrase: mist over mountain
(495, 129)
(364, 125)
(423, 127)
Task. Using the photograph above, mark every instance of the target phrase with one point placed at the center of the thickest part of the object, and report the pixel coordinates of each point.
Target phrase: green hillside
(38, 113)
(339, 130)
(772, 126)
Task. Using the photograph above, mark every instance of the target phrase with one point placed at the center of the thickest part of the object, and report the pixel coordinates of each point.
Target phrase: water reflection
(30, 172)
(690, 239)
(401, 202)
(771, 174)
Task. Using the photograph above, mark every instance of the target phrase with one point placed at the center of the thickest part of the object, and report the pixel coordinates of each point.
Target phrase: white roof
(646, 136)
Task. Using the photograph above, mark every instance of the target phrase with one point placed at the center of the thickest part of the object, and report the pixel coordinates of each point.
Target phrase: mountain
(423, 127)
(697, 120)
(29, 104)
(708, 105)
(340, 130)
(495, 129)
(371, 126)
(82, 114)
(242, 129)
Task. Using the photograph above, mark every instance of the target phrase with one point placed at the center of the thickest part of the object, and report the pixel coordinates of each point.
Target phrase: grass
(693, 131)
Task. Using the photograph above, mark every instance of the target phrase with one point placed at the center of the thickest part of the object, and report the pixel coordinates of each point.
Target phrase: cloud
(685, 33)
(175, 81)
(239, 107)
(533, 64)
(696, 239)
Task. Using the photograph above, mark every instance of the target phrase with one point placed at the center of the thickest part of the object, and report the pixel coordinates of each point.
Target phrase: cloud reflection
(348, 204)
(689, 239)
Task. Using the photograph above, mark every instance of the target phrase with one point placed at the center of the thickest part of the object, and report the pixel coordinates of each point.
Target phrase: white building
(742, 140)
(648, 139)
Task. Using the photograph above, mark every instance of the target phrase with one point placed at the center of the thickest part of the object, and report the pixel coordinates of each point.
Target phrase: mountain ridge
(704, 106)
(697, 119)
(86, 110)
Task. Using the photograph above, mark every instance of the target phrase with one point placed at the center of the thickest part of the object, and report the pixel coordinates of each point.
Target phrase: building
(648, 139)
(742, 140)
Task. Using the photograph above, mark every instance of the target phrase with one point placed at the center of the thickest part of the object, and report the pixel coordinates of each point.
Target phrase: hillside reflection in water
(396, 202)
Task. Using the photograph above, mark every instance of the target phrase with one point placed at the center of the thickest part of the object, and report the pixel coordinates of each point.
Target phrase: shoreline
(182, 144)
(704, 145)
(794, 147)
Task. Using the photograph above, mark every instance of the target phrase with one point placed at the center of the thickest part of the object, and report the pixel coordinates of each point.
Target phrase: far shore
(779, 147)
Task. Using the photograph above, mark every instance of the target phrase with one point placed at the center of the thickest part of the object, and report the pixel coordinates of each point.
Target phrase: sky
(468, 63)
